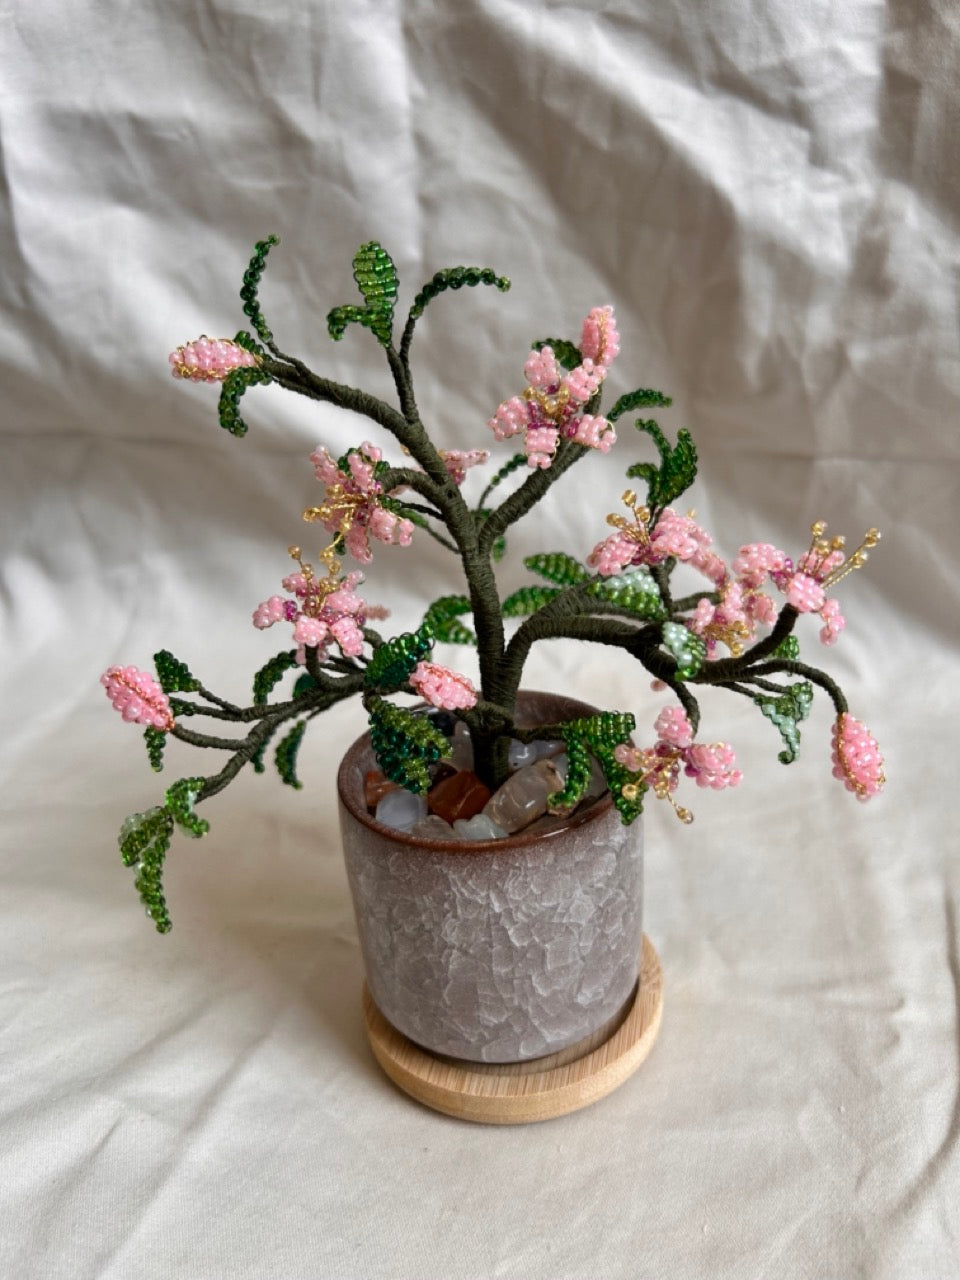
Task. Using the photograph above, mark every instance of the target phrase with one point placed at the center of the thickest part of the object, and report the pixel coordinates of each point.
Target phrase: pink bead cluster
(442, 687)
(673, 535)
(459, 461)
(551, 407)
(352, 503)
(138, 697)
(801, 584)
(856, 757)
(210, 359)
(320, 616)
(710, 765)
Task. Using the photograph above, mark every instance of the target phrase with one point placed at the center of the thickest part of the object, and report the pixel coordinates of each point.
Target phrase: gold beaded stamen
(639, 530)
(659, 771)
(339, 505)
(322, 587)
(553, 406)
(820, 549)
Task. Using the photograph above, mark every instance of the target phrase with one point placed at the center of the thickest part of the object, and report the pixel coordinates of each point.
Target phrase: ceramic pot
(499, 950)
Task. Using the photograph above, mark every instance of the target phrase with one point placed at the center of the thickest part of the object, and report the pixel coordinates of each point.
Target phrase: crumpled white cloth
(768, 194)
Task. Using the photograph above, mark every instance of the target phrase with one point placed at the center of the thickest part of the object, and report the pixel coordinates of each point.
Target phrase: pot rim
(358, 811)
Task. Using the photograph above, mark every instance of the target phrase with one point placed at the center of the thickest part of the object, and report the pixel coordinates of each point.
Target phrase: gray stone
(401, 809)
(523, 797)
(433, 827)
(479, 827)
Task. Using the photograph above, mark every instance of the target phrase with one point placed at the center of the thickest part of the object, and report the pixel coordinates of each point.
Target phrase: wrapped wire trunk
(501, 950)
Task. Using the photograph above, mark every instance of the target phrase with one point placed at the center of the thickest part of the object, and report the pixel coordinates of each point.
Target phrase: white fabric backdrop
(769, 193)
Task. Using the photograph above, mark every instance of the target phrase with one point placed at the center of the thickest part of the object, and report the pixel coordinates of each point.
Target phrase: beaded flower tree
(732, 634)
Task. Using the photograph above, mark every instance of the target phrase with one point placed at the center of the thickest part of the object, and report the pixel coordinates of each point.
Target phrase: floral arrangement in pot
(462, 810)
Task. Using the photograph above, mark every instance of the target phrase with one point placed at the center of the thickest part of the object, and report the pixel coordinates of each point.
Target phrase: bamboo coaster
(523, 1092)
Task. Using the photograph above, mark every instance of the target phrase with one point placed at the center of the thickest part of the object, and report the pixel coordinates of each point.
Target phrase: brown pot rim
(359, 812)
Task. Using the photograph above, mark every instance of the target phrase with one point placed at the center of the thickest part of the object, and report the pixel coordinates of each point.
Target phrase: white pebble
(401, 809)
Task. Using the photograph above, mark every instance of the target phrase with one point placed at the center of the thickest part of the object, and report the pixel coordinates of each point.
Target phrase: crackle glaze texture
(499, 951)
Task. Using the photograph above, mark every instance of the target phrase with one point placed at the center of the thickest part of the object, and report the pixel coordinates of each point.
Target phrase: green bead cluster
(180, 707)
(376, 277)
(789, 648)
(285, 756)
(455, 278)
(251, 284)
(689, 649)
(234, 386)
(578, 775)
(155, 740)
(635, 590)
(246, 340)
(441, 620)
(144, 841)
(174, 676)
(642, 398)
(405, 744)
(528, 600)
(785, 712)
(568, 355)
(271, 673)
(599, 736)
(677, 470)
(180, 801)
(393, 662)
(557, 567)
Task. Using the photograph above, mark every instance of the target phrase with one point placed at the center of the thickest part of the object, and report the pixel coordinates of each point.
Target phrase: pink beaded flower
(352, 503)
(856, 757)
(442, 687)
(551, 406)
(459, 461)
(673, 536)
(658, 767)
(138, 697)
(210, 359)
(323, 611)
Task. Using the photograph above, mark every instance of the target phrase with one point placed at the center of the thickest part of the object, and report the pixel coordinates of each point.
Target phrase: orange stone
(375, 787)
(462, 795)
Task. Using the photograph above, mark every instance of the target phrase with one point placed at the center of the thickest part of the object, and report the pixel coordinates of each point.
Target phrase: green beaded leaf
(156, 740)
(174, 675)
(689, 649)
(441, 620)
(285, 756)
(455, 278)
(394, 661)
(635, 589)
(251, 285)
(677, 470)
(528, 600)
(376, 277)
(557, 567)
(789, 648)
(405, 744)
(233, 388)
(144, 841)
(568, 356)
(598, 736)
(642, 398)
(786, 711)
(180, 801)
(304, 684)
(271, 673)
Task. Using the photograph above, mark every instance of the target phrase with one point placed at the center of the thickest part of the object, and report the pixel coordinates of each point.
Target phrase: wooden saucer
(518, 1093)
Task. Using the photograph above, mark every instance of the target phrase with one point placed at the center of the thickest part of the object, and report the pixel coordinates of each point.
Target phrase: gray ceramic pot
(498, 950)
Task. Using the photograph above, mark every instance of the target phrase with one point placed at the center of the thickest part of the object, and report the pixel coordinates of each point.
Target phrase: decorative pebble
(460, 796)
(521, 753)
(375, 786)
(479, 827)
(401, 809)
(461, 756)
(433, 827)
(523, 797)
